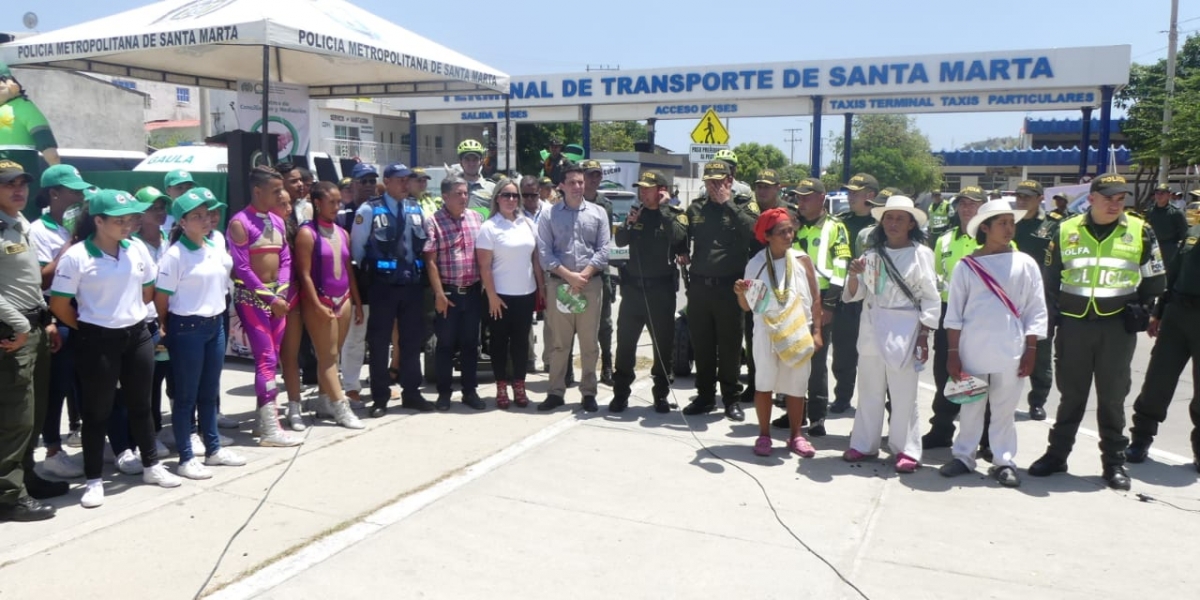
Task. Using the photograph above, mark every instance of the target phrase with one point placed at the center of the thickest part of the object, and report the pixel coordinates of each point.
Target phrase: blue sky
(551, 37)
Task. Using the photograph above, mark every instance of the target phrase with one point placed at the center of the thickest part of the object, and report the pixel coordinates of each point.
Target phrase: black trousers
(605, 336)
(106, 357)
(845, 349)
(510, 337)
(1099, 349)
(1178, 342)
(391, 304)
(817, 406)
(715, 322)
(650, 306)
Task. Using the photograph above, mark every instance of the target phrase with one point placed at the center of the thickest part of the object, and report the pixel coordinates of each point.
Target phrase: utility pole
(792, 139)
(1164, 161)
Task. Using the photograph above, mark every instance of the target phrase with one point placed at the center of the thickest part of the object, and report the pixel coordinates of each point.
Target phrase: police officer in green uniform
(720, 232)
(420, 190)
(1176, 327)
(1103, 272)
(939, 216)
(593, 174)
(26, 335)
(729, 157)
(863, 191)
(767, 196)
(655, 232)
(1034, 232)
(952, 247)
(1169, 225)
(826, 241)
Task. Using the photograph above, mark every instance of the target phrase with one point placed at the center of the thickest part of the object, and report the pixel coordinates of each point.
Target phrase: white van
(201, 159)
(88, 160)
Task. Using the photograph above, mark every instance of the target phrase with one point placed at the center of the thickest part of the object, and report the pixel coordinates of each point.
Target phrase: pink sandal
(800, 446)
(762, 446)
(906, 464)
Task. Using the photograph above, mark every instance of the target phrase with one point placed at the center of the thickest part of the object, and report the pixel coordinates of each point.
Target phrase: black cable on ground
(262, 501)
(766, 495)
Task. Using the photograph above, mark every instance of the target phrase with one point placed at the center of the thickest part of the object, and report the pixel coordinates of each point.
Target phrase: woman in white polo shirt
(193, 276)
(506, 249)
(111, 279)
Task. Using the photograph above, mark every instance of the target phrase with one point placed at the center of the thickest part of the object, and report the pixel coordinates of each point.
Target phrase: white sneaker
(161, 448)
(62, 465)
(93, 494)
(160, 476)
(197, 444)
(75, 440)
(271, 433)
(344, 416)
(192, 469)
(224, 440)
(295, 417)
(129, 463)
(225, 458)
(224, 422)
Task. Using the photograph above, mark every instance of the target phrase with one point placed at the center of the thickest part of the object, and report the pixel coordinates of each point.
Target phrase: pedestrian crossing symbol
(710, 130)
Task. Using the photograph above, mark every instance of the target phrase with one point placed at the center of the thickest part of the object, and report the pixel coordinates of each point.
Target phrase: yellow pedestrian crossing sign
(710, 130)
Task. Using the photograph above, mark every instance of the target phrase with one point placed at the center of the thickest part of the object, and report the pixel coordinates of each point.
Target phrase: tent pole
(1085, 141)
(508, 131)
(818, 103)
(266, 102)
(412, 138)
(847, 134)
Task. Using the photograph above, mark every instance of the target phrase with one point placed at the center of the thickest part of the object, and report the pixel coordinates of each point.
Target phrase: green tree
(790, 174)
(892, 149)
(607, 136)
(1143, 101)
(754, 157)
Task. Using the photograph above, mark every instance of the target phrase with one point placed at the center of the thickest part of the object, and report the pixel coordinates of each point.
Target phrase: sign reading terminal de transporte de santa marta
(1018, 80)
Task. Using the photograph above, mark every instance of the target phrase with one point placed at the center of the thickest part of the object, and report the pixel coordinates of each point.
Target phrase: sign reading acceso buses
(1047, 79)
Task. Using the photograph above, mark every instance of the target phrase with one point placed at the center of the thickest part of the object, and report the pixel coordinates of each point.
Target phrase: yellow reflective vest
(1100, 276)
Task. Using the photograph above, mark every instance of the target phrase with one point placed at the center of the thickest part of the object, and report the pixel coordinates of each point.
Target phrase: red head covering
(768, 220)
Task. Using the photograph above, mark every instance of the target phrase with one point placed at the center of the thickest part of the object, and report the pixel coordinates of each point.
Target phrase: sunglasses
(508, 196)
(530, 196)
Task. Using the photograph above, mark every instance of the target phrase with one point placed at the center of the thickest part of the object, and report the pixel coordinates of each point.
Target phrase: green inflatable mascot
(24, 131)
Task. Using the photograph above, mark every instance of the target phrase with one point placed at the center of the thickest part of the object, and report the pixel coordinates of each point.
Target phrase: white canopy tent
(332, 46)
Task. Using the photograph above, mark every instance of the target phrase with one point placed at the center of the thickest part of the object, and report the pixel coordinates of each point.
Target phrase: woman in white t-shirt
(193, 277)
(506, 249)
(111, 278)
(995, 315)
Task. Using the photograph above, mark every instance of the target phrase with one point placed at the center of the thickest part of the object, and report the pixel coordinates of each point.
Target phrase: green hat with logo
(652, 179)
(1110, 184)
(114, 203)
(973, 193)
(717, 170)
(591, 165)
(767, 176)
(177, 177)
(1162, 187)
(862, 181)
(64, 176)
(209, 197)
(809, 185)
(189, 202)
(1029, 188)
(150, 194)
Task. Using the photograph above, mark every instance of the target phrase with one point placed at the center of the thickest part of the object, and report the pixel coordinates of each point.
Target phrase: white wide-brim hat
(900, 203)
(992, 208)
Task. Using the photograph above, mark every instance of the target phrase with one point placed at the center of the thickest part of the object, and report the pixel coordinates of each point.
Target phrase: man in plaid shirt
(454, 277)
